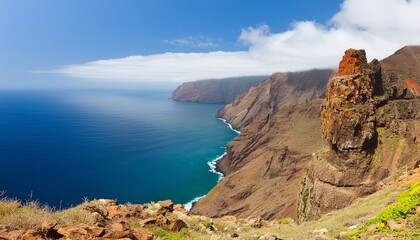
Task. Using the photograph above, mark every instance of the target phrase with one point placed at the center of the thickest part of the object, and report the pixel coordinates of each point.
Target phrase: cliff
(215, 90)
(280, 90)
(294, 160)
(370, 125)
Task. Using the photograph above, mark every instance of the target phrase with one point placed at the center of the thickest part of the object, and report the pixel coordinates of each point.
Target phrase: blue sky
(72, 43)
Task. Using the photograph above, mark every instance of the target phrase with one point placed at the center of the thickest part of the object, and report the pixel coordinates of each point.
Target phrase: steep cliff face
(215, 90)
(283, 165)
(369, 133)
(265, 165)
(280, 90)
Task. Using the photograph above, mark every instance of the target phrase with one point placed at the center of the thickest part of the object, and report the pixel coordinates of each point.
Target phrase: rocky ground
(367, 218)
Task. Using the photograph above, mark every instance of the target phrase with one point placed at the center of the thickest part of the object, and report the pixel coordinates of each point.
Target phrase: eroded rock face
(348, 121)
(370, 126)
(353, 62)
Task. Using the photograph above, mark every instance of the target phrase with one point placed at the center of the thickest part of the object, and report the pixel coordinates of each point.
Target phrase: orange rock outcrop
(413, 86)
(353, 62)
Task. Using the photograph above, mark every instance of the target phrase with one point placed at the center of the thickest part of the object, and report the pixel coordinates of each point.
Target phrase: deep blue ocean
(60, 146)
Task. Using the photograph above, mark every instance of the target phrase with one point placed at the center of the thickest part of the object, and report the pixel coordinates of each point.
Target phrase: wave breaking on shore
(212, 164)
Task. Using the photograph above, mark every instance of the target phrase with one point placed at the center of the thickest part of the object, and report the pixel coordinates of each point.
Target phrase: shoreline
(213, 168)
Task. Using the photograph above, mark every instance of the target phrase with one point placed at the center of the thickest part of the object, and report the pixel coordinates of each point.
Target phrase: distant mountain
(215, 90)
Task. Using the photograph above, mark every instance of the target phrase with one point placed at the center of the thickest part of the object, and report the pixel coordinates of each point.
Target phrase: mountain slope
(265, 165)
(281, 89)
(215, 90)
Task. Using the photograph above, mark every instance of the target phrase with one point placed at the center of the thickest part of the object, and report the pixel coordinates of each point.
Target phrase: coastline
(229, 125)
(213, 168)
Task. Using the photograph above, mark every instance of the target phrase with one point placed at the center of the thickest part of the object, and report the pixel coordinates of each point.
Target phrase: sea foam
(212, 164)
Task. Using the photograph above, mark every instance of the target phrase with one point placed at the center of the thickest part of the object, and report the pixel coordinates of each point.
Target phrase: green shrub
(284, 221)
(168, 235)
(405, 206)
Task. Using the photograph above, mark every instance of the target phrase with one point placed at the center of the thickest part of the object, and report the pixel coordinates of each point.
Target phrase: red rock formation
(413, 86)
(353, 62)
(346, 118)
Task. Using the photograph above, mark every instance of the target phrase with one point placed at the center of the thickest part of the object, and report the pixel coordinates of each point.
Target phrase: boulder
(95, 231)
(73, 232)
(391, 224)
(143, 234)
(161, 220)
(33, 234)
(167, 204)
(148, 221)
(177, 225)
(180, 208)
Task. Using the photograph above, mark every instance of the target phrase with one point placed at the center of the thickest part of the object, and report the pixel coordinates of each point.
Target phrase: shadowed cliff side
(280, 90)
(215, 90)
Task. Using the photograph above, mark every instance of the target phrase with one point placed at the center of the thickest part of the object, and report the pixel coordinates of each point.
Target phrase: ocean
(62, 146)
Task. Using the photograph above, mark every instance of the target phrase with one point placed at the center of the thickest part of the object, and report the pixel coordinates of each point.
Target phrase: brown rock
(120, 226)
(371, 228)
(33, 234)
(147, 221)
(353, 62)
(76, 232)
(180, 208)
(391, 224)
(16, 234)
(143, 234)
(168, 204)
(47, 225)
(95, 231)
(162, 220)
(256, 222)
(177, 225)
(117, 234)
(234, 235)
(95, 207)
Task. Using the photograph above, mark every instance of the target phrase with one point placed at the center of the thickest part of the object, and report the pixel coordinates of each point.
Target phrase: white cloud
(378, 26)
(193, 42)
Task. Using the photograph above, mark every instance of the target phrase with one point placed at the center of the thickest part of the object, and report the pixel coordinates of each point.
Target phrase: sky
(115, 43)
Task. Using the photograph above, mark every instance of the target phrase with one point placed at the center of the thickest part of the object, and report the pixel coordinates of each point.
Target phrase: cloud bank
(378, 26)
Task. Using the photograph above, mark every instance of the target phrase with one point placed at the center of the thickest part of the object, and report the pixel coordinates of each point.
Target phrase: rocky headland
(301, 157)
(215, 90)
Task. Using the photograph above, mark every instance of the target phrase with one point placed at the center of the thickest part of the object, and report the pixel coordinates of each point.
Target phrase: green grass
(403, 208)
(168, 235)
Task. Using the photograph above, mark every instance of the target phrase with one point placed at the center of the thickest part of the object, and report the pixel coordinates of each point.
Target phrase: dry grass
(18, 215)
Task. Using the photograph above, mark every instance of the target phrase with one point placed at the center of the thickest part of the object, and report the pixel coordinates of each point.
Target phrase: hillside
(215, 90)
(292, 161)
(280, 90)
